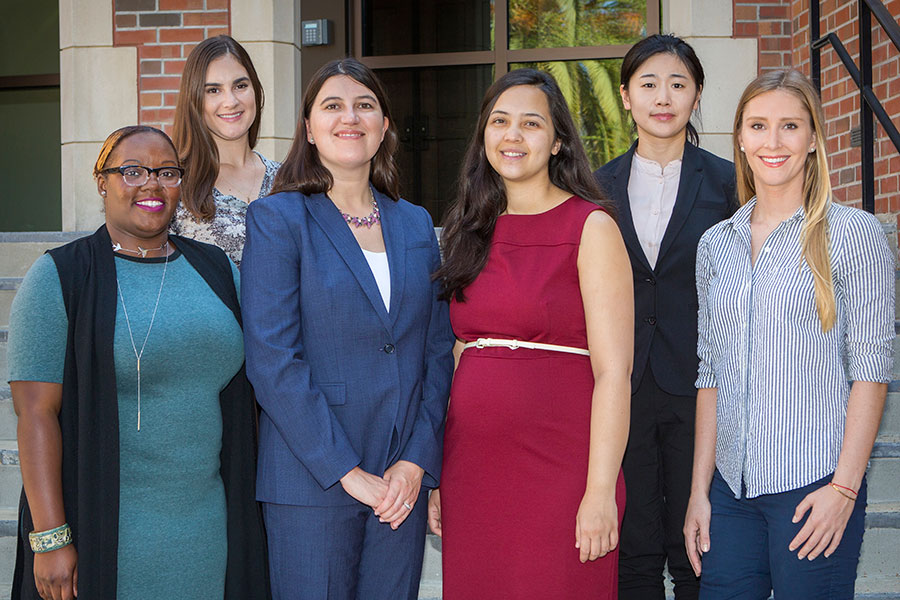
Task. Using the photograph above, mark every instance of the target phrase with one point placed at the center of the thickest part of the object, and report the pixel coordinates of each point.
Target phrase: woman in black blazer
(668, 191)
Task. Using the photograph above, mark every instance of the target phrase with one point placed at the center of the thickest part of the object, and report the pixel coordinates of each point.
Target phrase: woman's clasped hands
(393, 496)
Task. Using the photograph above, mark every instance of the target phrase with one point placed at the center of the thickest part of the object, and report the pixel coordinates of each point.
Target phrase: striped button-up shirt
(782, 383)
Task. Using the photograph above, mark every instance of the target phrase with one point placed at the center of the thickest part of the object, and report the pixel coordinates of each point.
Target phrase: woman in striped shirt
(796, 300)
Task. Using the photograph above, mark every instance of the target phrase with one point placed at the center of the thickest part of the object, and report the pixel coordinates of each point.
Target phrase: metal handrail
(870, 105)
(868, 94)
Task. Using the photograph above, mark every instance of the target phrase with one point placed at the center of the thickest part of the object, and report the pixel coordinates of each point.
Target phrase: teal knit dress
(172, 514)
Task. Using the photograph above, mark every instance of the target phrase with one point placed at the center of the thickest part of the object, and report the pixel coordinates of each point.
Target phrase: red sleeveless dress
(518, 426)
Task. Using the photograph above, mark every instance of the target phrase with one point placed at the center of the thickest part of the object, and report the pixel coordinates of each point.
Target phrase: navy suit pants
(344, 552)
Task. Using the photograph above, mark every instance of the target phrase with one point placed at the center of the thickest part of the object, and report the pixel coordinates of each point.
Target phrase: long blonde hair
(815, 240)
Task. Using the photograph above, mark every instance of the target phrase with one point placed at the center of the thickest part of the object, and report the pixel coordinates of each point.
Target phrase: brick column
(770, 22)
(165, 32)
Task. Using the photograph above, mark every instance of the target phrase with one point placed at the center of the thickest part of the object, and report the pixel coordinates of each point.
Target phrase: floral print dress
(226, 228)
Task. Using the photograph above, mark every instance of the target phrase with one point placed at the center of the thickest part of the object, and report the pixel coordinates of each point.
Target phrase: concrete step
(10, 475)
(430, 584)
(883, 478)
(8, 288)
(890, 420)
(878, 575)
(4, 336)
(8, 418)
(18, 250)
(8, 524)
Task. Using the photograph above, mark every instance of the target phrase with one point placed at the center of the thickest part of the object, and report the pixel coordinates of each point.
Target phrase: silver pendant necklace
(117, 247)
(137, 354)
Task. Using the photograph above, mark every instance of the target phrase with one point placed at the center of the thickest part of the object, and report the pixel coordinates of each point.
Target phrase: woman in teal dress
(136, 422)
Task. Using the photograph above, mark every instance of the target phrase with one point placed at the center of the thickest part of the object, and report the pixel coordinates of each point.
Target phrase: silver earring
(742, 148)
(102, 193)
(813, 149)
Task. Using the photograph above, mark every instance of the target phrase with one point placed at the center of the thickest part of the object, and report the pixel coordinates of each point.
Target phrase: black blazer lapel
(332, 223)
(395, 243)
(688, 186)
(623, 206)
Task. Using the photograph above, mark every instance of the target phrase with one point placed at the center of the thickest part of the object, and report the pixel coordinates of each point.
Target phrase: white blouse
(652, 190)
(378, 262)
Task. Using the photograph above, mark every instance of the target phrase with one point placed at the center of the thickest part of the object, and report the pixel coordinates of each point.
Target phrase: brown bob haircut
(303, 172)
(197, 149)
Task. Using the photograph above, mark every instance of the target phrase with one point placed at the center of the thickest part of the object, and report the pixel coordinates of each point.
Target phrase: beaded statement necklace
(373, 218)
(139, 354)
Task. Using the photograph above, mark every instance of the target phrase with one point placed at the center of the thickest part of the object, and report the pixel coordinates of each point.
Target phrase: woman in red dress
(532, 495)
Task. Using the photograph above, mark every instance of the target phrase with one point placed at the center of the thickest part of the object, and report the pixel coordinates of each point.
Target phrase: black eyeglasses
(136, 175)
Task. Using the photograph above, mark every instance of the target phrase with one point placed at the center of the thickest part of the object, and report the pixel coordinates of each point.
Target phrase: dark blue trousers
(748, 557)
(343, 552)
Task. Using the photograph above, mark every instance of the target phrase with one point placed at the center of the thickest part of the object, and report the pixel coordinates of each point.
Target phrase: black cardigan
(89, 422)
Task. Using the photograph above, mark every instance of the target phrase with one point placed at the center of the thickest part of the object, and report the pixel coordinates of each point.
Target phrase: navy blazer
(341, 381)
(665, 297)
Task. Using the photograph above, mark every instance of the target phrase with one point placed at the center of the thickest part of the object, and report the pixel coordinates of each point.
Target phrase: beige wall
(269, 30)
(728, 63)
(98, 94)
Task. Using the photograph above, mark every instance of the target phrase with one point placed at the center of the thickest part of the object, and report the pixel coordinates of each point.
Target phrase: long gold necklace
(137, 354)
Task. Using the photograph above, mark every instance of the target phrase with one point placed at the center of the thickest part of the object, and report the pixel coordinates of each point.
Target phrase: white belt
(516, 344)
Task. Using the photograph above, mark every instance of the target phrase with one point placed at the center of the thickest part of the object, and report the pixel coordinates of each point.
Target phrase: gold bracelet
(838, 489)
(52, 539)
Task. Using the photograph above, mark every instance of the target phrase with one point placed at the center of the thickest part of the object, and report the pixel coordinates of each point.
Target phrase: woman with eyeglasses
(215, 131)
(136, 423)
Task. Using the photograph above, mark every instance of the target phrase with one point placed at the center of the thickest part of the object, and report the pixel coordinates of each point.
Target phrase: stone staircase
(879, 568)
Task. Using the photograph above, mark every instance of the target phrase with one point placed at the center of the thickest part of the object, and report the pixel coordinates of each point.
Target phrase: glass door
(437, 58)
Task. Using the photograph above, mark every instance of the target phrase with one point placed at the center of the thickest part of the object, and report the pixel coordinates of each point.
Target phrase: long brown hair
(197, 149)
(816, 183)
(470, 221)
(303, 172)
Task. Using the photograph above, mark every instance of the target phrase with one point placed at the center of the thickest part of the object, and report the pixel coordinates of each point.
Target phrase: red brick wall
(840, 97)
(770, 22)
(775, 21)
(164, 32)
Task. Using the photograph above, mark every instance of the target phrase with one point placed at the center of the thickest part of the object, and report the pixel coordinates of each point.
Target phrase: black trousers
(657, 467)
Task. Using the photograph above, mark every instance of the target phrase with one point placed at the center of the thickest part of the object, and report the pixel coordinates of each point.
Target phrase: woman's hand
(56, 573)
(365, 487)
(696, 529)
(596, 526)
(434, 512)
(825, 526)
(404, 480)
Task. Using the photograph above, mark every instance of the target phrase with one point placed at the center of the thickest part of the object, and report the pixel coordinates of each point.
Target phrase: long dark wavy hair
(664, 43)
(197, 149)
(303, 172)
(481, 197)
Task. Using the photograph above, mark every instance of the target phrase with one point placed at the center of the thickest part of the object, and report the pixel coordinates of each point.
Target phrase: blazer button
(650, 320)
(650, 280)
(388, 348)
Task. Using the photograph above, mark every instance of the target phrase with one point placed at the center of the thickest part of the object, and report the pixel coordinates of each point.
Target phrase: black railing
(869, 104)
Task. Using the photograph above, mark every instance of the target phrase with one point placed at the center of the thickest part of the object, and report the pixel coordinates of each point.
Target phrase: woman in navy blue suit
(348, 349)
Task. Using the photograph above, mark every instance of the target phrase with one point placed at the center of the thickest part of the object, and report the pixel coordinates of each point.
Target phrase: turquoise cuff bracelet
(52, 539)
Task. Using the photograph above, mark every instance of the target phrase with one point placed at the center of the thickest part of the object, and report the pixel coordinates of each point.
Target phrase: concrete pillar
(270, 30)
(728, 63)
(98, 94)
